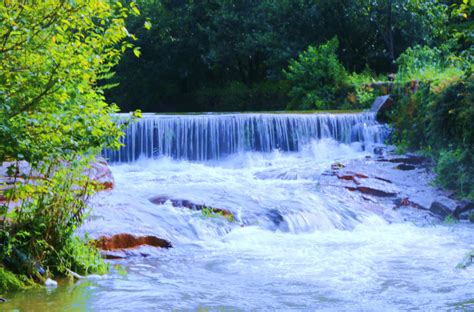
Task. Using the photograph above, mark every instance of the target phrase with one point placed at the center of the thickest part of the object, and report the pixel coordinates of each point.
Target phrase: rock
(101, 175)
(275, 217)
(378, 150)
(337, 165)
(349, 176)
(127, 241)
(410, 159)
(50, 283)
(382, 179)
(405, 167)
(399, 202)
(377, 188)
(160, 200)
(463, 206)
(442, 208)
(125, 245)
(346, 177)
(372, 191)
(468, 216)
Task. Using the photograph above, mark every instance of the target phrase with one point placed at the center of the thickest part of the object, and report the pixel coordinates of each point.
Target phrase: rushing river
(292, 245)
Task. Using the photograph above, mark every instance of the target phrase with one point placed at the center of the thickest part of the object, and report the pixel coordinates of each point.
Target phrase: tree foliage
(53, 114)
(198, 48)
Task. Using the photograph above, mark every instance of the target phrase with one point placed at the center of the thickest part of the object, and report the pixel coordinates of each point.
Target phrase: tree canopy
(203, 55)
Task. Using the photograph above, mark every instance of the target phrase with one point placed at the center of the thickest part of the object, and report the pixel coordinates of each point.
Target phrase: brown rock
(128, 241)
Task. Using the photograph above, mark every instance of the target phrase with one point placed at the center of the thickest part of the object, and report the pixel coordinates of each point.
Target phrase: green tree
(53, 115)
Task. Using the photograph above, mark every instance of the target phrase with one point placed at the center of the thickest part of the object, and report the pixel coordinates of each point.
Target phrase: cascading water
(295, 244)
(213, 136)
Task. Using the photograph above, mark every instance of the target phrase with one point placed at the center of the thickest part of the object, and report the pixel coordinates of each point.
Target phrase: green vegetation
(56, 77)
(437, 118)
(450, 220)
(317, 78)
(54, 116)
(208, 212)
(228, 55)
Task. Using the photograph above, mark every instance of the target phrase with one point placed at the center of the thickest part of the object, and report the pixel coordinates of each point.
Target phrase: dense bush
(362, 93)
(429, 65)
(317, 78)
(437, 118)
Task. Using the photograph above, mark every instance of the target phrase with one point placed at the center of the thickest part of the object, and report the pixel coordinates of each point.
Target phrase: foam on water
(293, 245)
(328, 253)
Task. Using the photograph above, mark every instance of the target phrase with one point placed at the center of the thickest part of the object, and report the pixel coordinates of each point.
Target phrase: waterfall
(379, 102)
(213, 136)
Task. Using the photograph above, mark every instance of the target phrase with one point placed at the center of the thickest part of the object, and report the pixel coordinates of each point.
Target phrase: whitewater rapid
(294, 245)
(329, 253)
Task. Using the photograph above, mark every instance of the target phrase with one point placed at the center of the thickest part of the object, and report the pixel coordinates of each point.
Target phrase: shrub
(454, 169)
(437, 118)
(364, 94)
(317, 79)
(429, 65)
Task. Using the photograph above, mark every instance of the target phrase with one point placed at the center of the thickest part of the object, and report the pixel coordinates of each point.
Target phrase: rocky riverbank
(404, 183)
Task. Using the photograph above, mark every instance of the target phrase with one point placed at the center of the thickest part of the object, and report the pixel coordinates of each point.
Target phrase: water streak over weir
(213, 136)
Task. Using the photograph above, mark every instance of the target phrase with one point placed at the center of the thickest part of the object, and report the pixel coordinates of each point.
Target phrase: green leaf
(137, 52)
(147, 25)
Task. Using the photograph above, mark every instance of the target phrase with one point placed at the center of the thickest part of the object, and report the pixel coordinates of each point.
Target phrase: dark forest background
(230, 55)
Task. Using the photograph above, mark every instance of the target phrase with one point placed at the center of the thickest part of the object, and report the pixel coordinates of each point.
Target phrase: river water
(292, 246)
